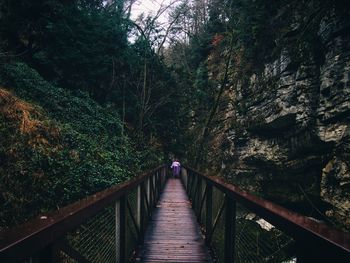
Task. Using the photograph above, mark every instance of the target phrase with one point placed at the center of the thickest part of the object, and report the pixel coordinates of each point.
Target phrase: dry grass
(27, 119)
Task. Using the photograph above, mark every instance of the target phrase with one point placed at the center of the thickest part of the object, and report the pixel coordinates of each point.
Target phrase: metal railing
(105, 227)
(243, 228)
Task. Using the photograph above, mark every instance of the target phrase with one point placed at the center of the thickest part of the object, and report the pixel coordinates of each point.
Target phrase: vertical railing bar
(148, 192)
(56, 252)
(216, 220)
(188, 182)
(199, 193)
(122, 235)
(150, 186)
(48, 254)
(183, 175)
(133, 219)
(192, 184)
(208, 212)
(155, 188)
(164, 176)
(142, 211)
(132, 234)
(155, 193)
(202, 203)
(138, 205)
(147, 197)
(151, 192)
(194, 199)
(159, 184)
(230, 229)
(146, 200)
(117, 231)
(190, 176)
(194, 189)
(191, 187)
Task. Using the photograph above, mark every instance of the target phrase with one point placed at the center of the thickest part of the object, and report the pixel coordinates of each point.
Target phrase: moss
(56, 146)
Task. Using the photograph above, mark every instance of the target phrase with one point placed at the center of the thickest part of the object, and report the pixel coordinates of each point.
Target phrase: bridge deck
(173, 234)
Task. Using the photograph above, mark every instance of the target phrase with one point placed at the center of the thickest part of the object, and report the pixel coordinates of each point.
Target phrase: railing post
(202, 199)
(153, 191)
(188, 182)
(199, 194)
(193, 191)
(140, 211)
(230, 229)
(184, 178)
(161, 181)
(149, 190)
(309, 251)
(155, 187)
(48, 254)
(120, 211)
(159, 184)
(208, 212)
(196, 193)
(302, 254)
(117, 231)
(165, 175)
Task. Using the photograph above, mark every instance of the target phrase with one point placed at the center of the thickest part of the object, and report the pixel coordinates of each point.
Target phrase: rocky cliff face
(287, 128)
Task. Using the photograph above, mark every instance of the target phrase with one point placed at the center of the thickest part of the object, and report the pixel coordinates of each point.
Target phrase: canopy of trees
(117, 105)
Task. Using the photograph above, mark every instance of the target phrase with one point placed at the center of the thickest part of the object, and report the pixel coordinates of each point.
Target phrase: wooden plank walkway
(173, 234)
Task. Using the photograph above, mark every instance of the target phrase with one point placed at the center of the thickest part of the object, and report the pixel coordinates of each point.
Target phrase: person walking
(176, 168)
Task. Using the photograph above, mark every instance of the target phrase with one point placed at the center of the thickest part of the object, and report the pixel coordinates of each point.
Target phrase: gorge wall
(283, 131)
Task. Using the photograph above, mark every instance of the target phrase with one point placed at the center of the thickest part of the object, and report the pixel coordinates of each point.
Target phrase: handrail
(30, 238)
(311, 237)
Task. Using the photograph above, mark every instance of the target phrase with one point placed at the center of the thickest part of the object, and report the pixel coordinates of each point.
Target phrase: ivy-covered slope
(56, 146)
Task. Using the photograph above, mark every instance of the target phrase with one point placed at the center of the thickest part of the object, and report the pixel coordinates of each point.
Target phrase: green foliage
(91, 44)
(78, 45)
(98, 109)
(82, 46)
(88, 153)
(252, 23)
(242, 36)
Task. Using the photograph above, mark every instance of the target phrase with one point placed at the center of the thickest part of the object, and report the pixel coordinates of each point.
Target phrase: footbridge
(157, 218)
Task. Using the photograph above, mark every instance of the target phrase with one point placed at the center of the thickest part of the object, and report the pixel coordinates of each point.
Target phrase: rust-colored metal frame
(315, 242)
(38, 234)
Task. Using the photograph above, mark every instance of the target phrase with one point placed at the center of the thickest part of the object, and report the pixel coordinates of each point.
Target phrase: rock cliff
(286, 127)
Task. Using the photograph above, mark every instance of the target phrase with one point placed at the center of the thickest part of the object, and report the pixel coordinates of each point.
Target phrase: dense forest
(253, 91)
(82, 108)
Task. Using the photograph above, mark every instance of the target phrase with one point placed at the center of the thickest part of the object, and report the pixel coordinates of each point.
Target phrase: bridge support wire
(256, 230)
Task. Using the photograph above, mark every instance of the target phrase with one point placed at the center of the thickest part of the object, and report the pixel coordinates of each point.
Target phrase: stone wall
(287, 129)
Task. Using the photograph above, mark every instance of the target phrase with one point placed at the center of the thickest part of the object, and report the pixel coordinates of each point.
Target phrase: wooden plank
(173, 234)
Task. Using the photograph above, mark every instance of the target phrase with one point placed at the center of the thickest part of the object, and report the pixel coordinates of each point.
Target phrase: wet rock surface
(288, 135)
